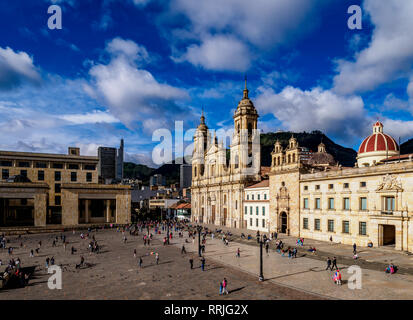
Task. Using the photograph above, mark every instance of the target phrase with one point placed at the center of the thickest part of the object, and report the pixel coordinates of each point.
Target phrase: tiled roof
(261, 184)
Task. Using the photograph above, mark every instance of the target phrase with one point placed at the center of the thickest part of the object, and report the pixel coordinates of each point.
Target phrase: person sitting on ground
(370, 244)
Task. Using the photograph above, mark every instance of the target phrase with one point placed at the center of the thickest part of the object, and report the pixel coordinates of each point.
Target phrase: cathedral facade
(218, 181)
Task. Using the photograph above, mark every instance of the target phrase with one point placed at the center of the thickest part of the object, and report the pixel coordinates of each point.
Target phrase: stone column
(108, 211)
(87, 211)
(40, 210)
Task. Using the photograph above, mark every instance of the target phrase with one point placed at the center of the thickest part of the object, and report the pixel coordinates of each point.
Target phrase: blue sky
(122, 69)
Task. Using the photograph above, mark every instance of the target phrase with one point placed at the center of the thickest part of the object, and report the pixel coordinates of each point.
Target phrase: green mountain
(407, 147)
(310, 140)
(345, 156)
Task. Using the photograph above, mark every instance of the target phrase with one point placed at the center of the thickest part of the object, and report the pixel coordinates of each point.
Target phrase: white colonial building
(257, 206)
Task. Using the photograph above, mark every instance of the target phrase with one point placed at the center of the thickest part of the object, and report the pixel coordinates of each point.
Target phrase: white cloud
(398, 128)
(230, 31)
(390, 53)
(133, 94)
(95, 116)
(127, 48)
(221, 53)
(16, 68)
(315, 109)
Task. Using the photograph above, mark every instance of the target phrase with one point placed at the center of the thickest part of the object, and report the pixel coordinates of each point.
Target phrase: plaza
(114, 273)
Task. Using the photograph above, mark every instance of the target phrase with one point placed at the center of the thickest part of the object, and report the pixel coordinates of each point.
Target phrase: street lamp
(199, 229)
(167, 230)
(261, 278)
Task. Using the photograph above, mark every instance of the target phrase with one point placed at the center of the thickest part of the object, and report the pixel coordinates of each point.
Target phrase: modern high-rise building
(110, 167)
(185, 176)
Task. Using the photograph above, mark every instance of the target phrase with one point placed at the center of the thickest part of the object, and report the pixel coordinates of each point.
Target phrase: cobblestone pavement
(308, 273)
(115, 274)
(369, 258)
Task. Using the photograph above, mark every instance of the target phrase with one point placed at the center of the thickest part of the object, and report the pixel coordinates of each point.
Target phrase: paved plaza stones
(115, 273)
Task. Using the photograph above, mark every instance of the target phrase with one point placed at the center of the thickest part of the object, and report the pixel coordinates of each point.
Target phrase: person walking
(140, 262)
(191, 262)
(220, 288)
(203, 264)
(225, 286)
(329, 264)
(31, 253)
(354, 249)
(157, 258)
(334, 264)
(183, 250)
(134, 253)
(238, 253)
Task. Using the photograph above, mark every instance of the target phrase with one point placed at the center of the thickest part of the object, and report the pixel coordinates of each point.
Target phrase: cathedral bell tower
(245, 147)
(201, 140)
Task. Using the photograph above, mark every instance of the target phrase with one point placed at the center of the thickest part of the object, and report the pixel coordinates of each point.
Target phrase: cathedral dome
(376, 147)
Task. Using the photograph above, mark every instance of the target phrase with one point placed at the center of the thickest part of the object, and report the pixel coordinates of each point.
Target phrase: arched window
(293, 157)
(225, 199)
(289, 158)
(236, 161)
(195, 171)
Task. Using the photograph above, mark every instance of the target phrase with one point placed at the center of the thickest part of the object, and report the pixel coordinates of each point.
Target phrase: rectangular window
(263, 223)
(362, 228)
(246, 210)
(256, 210)
(317, 187)
(317, 203)
(317, 224)
(6, 163)
(258, 196)
(88, 176)
(346, 227)
(256, 222)
(40, 175)
(57, 200)
(23, 164)
(248, 196)
(265, 196)
(57, 165)
(305, 223)
(331, 203)
(73, 176)
(4, 174)
(23, 173)
(57, 176)
(263, 211)
(330, 225)
(389, 203)
(250, 210)
(73, 166)
(362, 184)
(250, 222)
(305, 188)
(305, 203)
(346, 203)
(41, 165)
(346, 186)
(89, 167)
(57, 188)
(252, 197)
(331, 186)
(363, 203)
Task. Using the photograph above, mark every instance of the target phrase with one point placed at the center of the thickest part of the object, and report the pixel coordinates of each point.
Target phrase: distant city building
(185, 176)
(257, 206)
(157, 180)
(110, 167)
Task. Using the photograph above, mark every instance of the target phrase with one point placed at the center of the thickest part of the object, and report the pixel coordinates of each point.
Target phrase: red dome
(378, 141)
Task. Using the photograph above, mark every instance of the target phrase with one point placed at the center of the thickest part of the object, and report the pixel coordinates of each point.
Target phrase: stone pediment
(390, 183)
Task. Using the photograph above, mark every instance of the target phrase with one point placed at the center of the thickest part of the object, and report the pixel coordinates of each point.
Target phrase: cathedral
(218, 183)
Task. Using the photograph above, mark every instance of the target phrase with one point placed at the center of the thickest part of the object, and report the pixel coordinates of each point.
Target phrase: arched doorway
(283, 222)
